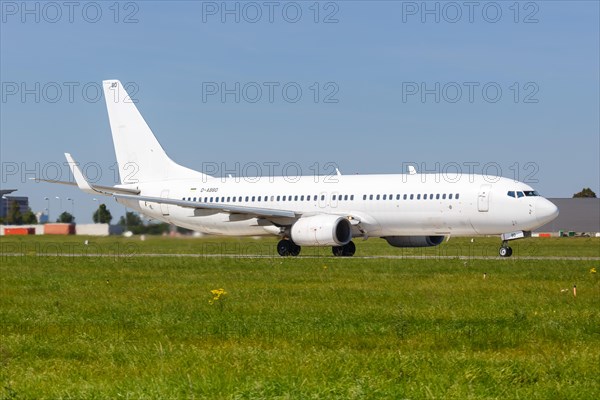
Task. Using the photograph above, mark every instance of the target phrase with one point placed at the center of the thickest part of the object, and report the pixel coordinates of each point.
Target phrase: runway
(273, 256)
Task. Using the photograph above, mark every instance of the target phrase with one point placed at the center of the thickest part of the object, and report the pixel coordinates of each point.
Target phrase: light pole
(72, 206)
(96, 200)
(59, 204)
(48, 207)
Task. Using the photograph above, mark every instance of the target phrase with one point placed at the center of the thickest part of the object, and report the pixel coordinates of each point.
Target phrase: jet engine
(321, 230)
(414, 241)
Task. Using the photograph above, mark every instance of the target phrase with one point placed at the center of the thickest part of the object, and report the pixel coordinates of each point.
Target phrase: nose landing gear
(505, 250)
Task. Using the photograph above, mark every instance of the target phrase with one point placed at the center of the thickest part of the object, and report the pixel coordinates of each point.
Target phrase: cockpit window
(520, 194)
(511, 193)
(529, 193)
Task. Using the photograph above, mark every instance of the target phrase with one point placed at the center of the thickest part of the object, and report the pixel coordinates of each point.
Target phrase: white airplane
(407, 210)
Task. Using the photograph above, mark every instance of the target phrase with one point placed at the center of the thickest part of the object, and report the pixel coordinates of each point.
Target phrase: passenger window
(419, 196)
(384, 197)
(279, 198)
(437, 196)
(378, 197)
(450, 196)
(253, 198)
(444, 196)
(333, 197)
(296, 198)
(412, 196)
(370, 197)
(302, 198)
(457, 196)
(322, 197)
(364, 196)
(352, 197)
(405, 197)
(431, 196)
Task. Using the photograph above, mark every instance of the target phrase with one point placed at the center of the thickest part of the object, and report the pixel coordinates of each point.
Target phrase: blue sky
(511, 88)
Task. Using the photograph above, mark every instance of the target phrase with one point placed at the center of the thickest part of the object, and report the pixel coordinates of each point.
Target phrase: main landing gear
(346, 250)
(287, 248)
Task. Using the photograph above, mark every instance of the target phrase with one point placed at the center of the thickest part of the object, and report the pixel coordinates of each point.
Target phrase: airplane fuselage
(386, 205)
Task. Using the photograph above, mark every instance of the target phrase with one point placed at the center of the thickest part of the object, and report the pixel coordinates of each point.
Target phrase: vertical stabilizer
(139, 155)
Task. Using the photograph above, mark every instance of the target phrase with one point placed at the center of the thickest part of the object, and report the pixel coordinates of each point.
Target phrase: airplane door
(483, 199)
(164, 208)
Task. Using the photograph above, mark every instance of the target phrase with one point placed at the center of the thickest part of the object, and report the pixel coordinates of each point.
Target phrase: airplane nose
(545, 211)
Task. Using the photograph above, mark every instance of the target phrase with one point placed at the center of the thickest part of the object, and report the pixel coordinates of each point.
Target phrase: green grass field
(126, 325)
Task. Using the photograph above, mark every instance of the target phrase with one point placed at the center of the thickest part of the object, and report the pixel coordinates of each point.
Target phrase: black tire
(338, 251)
(284, 248)
(504, 251)
(509, 252)
(294, 249)
(349, 249)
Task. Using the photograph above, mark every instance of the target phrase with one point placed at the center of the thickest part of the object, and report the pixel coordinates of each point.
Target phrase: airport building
(6, 201)
(580, 215)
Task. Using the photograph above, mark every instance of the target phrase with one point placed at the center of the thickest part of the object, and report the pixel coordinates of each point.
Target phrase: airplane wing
(96, 189)
(85, 186)
(228, 208)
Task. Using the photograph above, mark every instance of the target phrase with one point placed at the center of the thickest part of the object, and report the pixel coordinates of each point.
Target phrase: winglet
(82, 183)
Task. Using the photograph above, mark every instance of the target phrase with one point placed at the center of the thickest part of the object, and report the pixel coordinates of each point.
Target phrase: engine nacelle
(414, 241)
(322, 230)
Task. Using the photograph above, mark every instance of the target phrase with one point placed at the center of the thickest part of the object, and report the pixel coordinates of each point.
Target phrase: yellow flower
(217, 294)
(593, 270)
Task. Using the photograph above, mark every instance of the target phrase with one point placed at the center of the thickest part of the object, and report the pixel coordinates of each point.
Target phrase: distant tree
(585, 193)
(102, 215)
(66, 218)
(14, 216)
(157, 229)
(29, 218)
(130, 219)
(132, 222)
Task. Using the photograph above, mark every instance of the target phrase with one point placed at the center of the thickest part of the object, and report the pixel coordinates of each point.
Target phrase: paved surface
(251, 256)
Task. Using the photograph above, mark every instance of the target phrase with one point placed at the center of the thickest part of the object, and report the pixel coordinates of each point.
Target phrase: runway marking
(262, 256)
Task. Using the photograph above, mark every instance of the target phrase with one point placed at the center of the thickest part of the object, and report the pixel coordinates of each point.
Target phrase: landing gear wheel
(346, 250)
(294, 249)
(337, 251)
(288, 248)
(505, 251)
